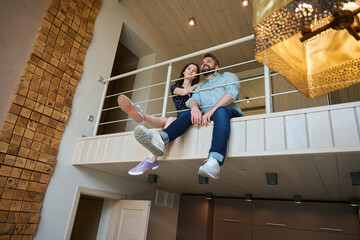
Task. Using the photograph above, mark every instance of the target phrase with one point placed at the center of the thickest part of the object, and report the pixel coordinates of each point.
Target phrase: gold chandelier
(314, 44)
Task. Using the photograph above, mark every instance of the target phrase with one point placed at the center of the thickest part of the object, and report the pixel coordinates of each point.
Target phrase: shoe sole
(207, 174)
(142, 137)
(127, 106)
(142, 172)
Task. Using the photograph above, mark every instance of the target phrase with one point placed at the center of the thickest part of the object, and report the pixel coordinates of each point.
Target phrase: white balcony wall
(314, 130)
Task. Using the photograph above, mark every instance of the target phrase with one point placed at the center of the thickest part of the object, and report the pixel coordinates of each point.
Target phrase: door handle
(276, 224)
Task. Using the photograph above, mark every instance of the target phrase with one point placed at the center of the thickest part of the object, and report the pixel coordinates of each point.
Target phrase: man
(216, 98)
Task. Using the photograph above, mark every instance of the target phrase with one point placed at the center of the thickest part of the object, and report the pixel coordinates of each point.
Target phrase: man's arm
(195, 112)
(226, 100)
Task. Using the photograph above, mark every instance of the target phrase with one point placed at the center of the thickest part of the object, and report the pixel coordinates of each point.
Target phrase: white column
(166, 94)
(268, 106)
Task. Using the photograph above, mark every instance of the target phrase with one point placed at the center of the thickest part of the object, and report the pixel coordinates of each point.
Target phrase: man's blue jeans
(221, 132)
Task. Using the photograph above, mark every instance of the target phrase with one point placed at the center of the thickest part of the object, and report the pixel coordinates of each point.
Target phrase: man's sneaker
(150, 140)
(210, 169)
(144, 166)
(128, 106)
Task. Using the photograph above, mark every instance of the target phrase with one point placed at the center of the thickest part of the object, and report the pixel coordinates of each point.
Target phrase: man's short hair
(213, 58)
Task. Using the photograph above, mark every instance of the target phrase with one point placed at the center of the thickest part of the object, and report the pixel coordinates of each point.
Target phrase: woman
(182, 90)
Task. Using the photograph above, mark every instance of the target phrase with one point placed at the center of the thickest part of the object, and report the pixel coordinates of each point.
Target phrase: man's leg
(221, 133)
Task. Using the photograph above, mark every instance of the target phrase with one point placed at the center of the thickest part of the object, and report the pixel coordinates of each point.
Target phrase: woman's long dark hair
(194, 81)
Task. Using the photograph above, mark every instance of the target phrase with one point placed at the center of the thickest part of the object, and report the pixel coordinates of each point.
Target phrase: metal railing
(167, 83)
(267, 83)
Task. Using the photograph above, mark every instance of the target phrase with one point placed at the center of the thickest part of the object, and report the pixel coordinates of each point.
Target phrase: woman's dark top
(179, 101)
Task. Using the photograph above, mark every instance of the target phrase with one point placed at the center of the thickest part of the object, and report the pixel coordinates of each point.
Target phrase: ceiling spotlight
(248, 99)
(271, 178)
(192, 21)
(354, 202)
(248, 197)
(245, 3)
(203, 180)
(297, 199)
(208, 195)
(152, 178)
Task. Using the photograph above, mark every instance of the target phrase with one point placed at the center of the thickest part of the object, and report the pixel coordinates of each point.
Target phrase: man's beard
(208, 71)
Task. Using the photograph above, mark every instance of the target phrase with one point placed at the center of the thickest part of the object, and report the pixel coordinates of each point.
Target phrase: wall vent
(164, 199)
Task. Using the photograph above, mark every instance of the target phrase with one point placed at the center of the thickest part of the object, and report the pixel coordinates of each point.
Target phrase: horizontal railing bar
(249, 99)
(219, 69)
(158, 114)
(151, 100)
(123, 120)
(141, 88)
(158, 84)
(220, 46)
(282, 93)
(241, 81)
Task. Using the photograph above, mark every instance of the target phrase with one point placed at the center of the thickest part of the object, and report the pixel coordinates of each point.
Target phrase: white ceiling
(217, 22)
(316, 177)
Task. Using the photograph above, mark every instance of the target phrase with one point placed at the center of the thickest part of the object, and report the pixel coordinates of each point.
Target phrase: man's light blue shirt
(206, 98)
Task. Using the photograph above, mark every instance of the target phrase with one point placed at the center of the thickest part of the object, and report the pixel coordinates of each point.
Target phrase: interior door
(132, 221)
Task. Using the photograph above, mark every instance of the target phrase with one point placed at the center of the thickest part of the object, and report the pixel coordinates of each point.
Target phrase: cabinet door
(333, 217)
(231, 230)
(232, 210)
(315, 235)
(278, 213)
(276, 233)
(193, 218)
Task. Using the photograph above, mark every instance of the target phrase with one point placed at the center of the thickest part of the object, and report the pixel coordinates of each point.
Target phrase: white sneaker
(210, 169)
(150, 140)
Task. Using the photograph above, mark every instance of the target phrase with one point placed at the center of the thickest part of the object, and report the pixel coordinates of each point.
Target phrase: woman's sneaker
(144, 166)
(128, 106)
(150, 140)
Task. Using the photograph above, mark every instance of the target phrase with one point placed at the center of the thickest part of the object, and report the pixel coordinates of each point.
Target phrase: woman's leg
(155, 122)
(152, 157)
(169, 121)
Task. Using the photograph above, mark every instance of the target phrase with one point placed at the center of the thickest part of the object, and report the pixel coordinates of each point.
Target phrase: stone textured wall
(33, 127)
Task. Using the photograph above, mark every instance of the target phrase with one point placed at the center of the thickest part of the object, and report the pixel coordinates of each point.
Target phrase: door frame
(116, 197)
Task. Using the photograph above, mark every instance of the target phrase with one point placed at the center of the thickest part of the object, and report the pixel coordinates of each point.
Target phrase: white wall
(19, 24)
(62, 186)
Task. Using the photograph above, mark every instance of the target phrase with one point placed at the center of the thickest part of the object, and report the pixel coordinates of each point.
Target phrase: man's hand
(196, 116)
(206, 118)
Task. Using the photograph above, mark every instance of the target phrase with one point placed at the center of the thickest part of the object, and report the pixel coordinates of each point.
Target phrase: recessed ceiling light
(297, 199)
(209, 195)
(192, 21)
(354, 202)
(245, 3)
(248, 197)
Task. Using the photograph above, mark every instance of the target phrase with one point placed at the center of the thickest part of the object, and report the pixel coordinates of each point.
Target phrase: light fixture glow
(247, 101)
(248, 197)
(245, 3)
(208, 195)
(297, 199)
(354, 202)
(192, 21)
(319, 30)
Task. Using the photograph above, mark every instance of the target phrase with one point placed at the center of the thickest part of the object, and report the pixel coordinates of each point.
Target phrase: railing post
(166, 94)
(268, 107)
(97, 120)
